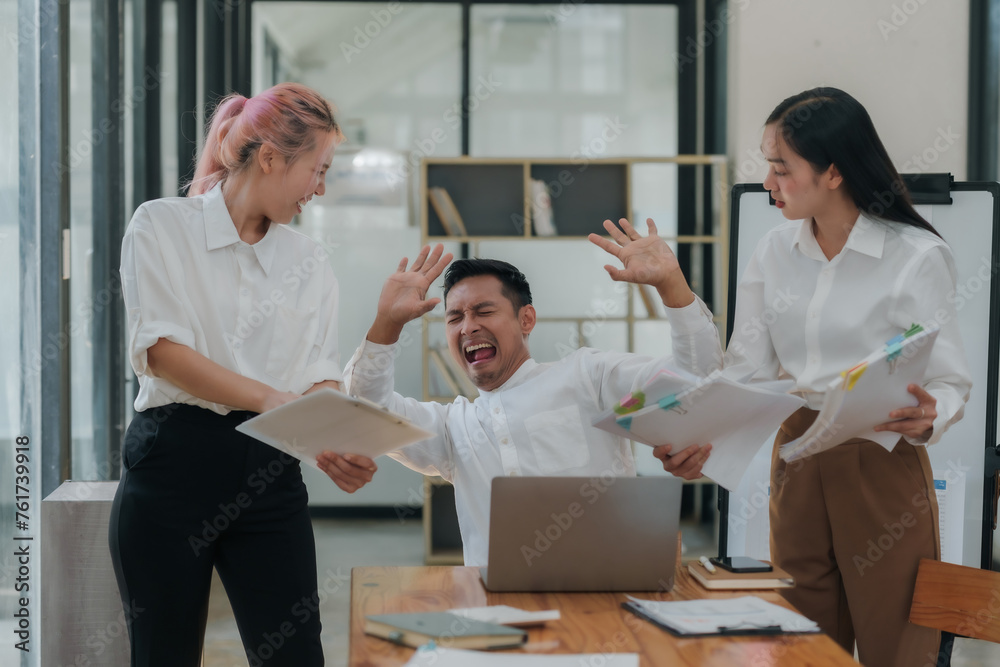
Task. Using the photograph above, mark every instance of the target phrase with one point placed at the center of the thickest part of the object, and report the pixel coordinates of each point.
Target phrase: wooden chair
(958, 600)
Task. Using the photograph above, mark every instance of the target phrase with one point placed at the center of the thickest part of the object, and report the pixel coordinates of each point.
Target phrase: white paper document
(735, 418)
(449, 657)
(507, 615)
(725, 616)
(862, 398)
(329, 420)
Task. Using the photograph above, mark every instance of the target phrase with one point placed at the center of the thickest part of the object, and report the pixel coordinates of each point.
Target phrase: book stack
(723, 580)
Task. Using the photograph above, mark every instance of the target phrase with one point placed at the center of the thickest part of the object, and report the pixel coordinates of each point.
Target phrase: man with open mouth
(530, 418)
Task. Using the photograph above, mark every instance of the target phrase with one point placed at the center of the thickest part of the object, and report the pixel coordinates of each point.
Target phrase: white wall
(905, 60)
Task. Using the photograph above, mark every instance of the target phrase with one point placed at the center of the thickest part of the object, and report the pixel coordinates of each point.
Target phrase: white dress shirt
(537, 423)
(802, 316)
(267, 311)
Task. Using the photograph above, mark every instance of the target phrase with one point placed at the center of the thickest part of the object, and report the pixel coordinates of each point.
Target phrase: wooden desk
(590, 623)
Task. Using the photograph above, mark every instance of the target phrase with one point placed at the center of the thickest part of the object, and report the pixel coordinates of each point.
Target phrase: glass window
(10, 306)
(573, 80)
(10, 339)
(82, 137)
(397, 95)
(168, 97)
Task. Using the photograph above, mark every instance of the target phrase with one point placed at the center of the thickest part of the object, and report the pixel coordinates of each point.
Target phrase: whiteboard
(969, 225)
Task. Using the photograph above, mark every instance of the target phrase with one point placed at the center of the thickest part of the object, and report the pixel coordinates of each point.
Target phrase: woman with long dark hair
(857, 265)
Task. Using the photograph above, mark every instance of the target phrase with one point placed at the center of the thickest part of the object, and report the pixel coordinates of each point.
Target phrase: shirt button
(814, 315)
(505, 441)
(496, 410)
(371, 356)
(513, 473)
(244, 291)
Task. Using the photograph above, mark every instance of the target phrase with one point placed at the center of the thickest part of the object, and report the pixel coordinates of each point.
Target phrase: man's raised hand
(404, 294)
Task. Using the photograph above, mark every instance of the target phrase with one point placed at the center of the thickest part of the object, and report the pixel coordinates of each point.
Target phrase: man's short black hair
(514, 284)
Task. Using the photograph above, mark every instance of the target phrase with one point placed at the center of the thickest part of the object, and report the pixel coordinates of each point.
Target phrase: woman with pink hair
(230, 313)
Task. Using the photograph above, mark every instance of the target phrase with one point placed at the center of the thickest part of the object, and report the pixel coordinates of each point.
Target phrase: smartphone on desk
(740, 564)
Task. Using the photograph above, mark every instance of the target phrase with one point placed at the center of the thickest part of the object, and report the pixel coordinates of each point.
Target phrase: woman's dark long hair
(827, 126)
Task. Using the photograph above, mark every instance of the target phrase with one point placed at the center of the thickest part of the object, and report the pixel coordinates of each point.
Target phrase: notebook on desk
(583, 534)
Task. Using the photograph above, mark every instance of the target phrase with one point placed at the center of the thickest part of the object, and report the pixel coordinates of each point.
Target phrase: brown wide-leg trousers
(850, 525)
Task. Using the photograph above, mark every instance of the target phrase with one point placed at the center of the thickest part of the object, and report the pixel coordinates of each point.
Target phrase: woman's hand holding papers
(404, 294)
(648, 260)
(686, 463)
(350, 472)
(916, 422)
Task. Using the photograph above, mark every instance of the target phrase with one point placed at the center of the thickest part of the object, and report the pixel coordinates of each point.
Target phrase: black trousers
(196, 494)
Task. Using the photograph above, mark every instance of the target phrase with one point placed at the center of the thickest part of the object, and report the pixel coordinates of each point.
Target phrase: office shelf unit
(496, 202)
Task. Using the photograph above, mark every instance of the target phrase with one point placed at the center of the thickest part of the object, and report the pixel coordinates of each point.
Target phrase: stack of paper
(507, 615)
(733, 616)
(864, 395)
(678, 409)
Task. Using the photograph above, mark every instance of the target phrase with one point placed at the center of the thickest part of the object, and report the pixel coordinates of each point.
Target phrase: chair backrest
(957, 599)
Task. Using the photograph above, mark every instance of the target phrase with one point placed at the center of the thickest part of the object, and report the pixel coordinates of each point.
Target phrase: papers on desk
(507, 615)
(329, 420)
(864, 395)
(446, 657)
(419, 628)
(747, 615)
(678, 409)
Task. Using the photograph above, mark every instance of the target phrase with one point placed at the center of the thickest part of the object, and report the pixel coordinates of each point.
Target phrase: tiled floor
(345, 543)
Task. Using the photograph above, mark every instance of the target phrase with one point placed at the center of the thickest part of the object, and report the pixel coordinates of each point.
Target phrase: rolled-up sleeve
(152, 308)
(695, 338)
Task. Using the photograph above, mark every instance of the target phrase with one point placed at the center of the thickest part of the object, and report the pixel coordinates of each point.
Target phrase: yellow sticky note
(852, 376)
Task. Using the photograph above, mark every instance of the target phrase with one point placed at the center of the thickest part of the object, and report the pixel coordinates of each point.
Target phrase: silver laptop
(583, 534)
